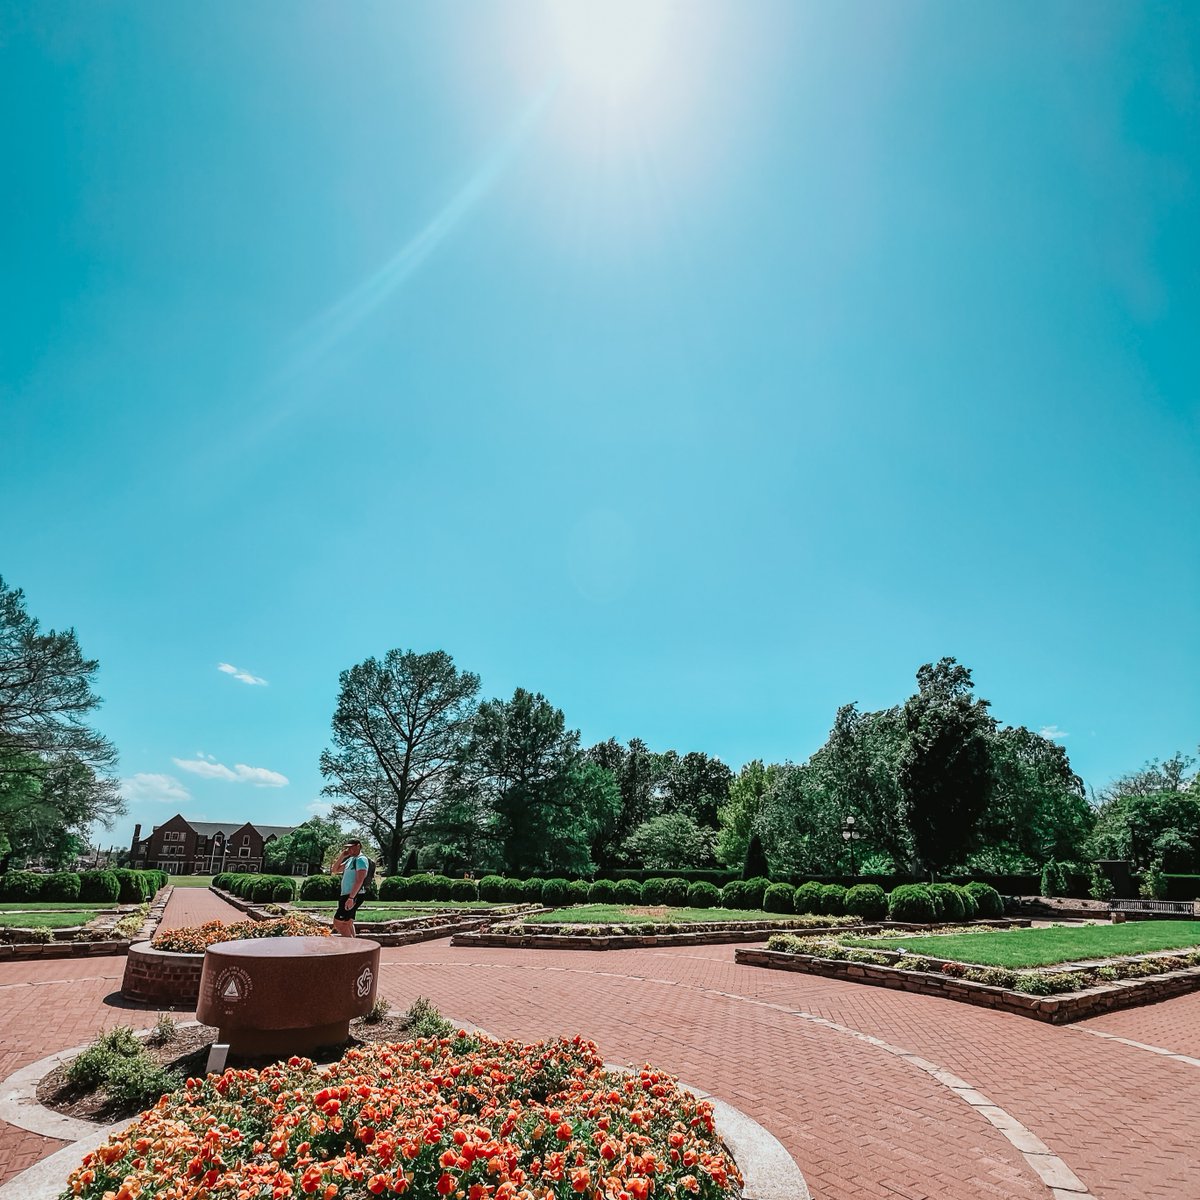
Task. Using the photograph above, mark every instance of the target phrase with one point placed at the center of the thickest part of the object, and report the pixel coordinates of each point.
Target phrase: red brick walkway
(860, 1121)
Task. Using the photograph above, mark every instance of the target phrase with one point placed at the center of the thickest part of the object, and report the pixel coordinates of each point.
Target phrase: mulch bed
(187, 1053)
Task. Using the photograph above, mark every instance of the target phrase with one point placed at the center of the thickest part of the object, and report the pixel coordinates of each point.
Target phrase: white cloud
(319, 808)
(161, 789)
(207, 767)
(244, 676)
(1053, 733)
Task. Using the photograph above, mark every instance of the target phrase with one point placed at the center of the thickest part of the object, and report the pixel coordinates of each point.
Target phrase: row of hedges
(909, 902)
(258, 889)
(329, 887)
(121, 886)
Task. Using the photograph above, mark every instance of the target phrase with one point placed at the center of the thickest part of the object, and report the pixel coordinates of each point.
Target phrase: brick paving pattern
(859, 1121)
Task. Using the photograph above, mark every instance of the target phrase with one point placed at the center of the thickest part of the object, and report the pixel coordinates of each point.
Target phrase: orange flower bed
(195, 939)
(468, 1118)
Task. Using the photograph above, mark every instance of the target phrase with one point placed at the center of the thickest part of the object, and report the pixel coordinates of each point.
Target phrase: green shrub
(867, 900)
(515, 893)
(423, 887)
(135, 887)
(556, 893)
(833, 900)
(21, 885)
(1055, 881)
(62, 885)
(139, 1081)
(1100, 887)
(989, 904)
(1154, 884)
(911, 902)
(970, 908)
(533, 889)
(652, 891)
(808, 898)
(88, 1070)
(317, 887)
(674, 892)
(424, 1020)
(703, 895)
(947, 902)
(733, 894)
(491, 888)
(284, 892)
(603, 891)
(779, 898)
(99, 885)
(394, 887)
(577, 891)
(1049, 983)
(262, 888)
(628, 891)
(464, 889)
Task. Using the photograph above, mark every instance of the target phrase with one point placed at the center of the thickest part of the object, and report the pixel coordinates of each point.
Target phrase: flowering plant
(195, 939)
(468, 1118)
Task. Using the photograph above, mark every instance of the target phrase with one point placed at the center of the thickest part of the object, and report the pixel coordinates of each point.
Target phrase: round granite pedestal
(287, 995)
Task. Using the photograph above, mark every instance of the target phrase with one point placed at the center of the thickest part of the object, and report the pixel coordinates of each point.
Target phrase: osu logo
(232, 986)
(363, 984)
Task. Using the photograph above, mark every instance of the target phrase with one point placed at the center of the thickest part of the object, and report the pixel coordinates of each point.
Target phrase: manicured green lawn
(1044, 947)
(618, 914)
(44, 920)
(53, 905)
(198, 881)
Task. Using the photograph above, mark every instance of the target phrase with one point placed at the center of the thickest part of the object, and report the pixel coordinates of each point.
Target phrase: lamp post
(850, 835)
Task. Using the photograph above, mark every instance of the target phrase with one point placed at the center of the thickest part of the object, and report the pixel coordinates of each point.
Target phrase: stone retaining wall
(1057, 1010)
(624, 941)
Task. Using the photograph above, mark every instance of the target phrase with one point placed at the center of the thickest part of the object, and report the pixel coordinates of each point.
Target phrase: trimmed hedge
(912, 902)
(321, 887)
(989, 904)
(628, 891)
(970, 908)
(947, 902)
(556, 893)
(99, 885)
(492, 887)
(675, 892)
(21, 885)
(603, 891)
(867, 900)
(532, 890)
(703, 895)
(652, 891)
(744, 894)
(780, 898)
(807, 899)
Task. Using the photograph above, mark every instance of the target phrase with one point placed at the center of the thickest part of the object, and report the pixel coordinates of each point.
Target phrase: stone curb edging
(628, 941)
(768, 1171)
(27, 951)
(1058, 1009)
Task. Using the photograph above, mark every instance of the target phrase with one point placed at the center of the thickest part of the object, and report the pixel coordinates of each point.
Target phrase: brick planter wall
(629, 941)
(162, 976)
(1057, 1010)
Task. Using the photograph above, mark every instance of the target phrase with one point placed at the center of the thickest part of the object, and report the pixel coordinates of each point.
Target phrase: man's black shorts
(347, 907)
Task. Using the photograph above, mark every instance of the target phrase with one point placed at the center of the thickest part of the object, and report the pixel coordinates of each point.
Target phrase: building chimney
(137, 837)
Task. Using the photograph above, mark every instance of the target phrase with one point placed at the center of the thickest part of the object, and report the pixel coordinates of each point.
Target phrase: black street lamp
(850, 835)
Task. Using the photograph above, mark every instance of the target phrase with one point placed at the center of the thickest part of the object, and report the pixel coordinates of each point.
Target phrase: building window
(246, 840)
(244, 852)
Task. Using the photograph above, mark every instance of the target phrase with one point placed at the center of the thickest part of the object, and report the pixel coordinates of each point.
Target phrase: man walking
(353, 865)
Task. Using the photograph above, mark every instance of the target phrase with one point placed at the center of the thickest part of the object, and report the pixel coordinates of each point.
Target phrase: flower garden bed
(568, 935)
(467, 1117)
(1061, 992)
(166, 970)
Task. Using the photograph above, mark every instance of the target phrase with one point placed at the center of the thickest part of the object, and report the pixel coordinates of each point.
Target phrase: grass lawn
(399, 908)
(44, 920)
(1044, 947)
(16, 906)
(618, 914)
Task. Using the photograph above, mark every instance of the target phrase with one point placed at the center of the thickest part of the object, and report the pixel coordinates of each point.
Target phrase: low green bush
(491, 888)
(577, 891)
(99, 885)
(89, 1068)
(779, 898)
(970, 908)
(947, 902)
(62, 885)
(911, 902)
(867, 900)
(989, 904)
(808, 898)
(628, 891)
(744, 894)
(674, 892)
(703, 895)
(21, 885)
(428, 887)
(394, 887)
(603, 891)
(464, 889)
(533, 889)
(135, 886)
(556, 893)
(652, 891)
(515, 892)
(321, 887)
(833, 900)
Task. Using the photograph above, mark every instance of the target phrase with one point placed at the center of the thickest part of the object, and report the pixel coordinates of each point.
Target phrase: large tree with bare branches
(398, 730)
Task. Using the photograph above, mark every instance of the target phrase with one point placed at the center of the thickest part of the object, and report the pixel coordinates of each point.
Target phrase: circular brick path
(860, 1084)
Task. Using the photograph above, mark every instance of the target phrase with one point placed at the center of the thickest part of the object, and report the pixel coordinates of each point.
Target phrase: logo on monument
(363, 983)
(232, 986)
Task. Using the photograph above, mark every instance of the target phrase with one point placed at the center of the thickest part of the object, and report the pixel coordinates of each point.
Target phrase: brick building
(183, 847)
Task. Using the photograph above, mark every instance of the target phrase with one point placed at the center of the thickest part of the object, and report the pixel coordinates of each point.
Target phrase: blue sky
(703, 367)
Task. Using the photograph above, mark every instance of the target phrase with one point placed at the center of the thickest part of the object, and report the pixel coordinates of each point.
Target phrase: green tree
(945, 768)
(55, 769)
(670, 841)
(800, 823)
(636, 771)
(544, 802)
(314, 843)
(399, 729)
(694, 783)
(737, 816)
(1038, 807)
(1155, 829)
(756, 865)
